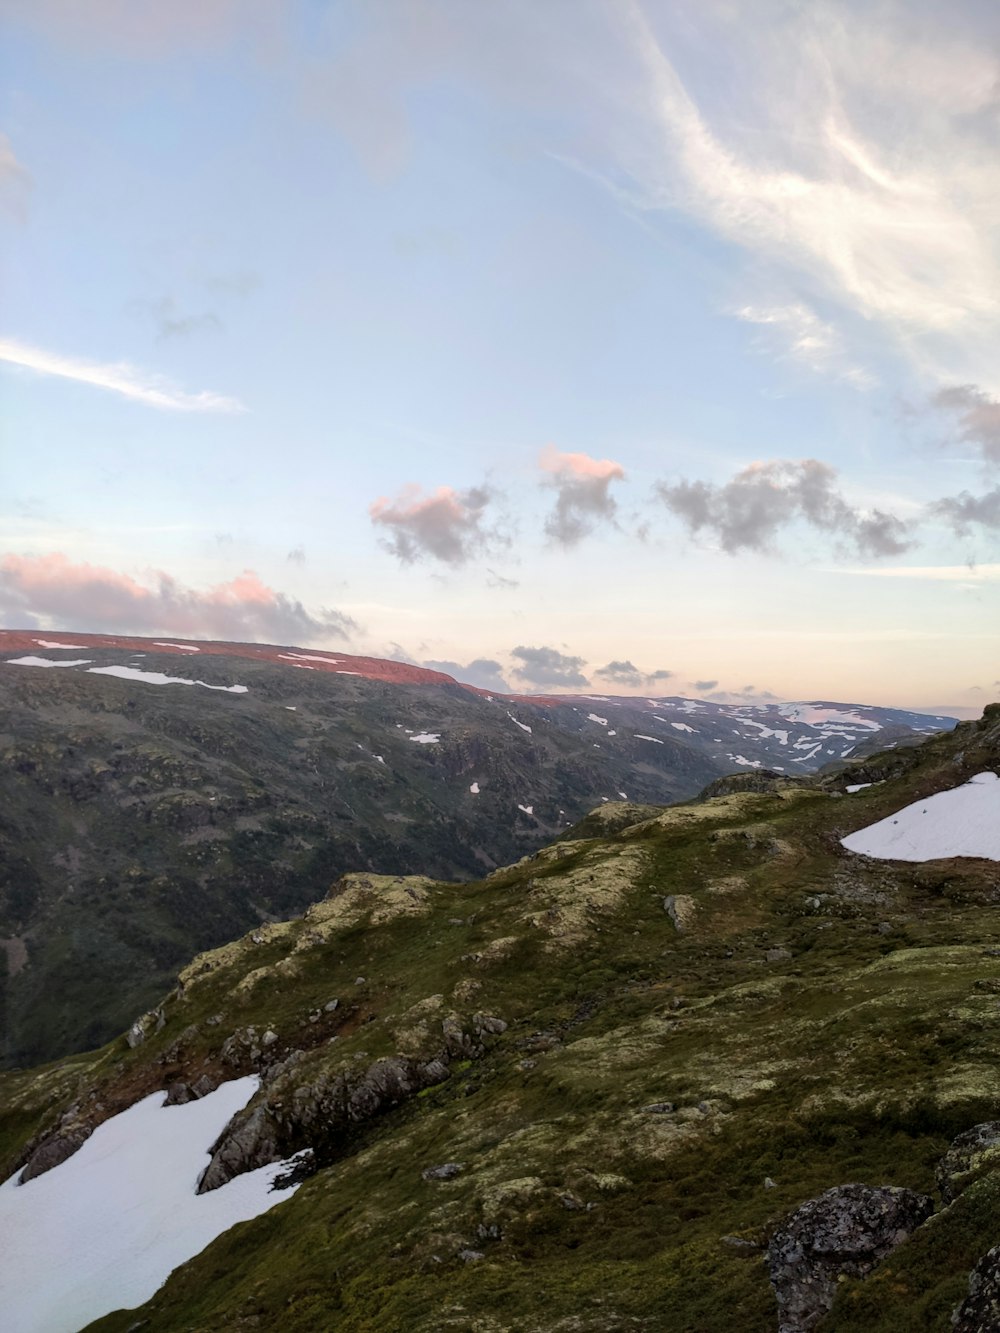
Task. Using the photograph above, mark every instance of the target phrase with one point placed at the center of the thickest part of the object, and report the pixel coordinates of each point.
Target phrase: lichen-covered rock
(846, 1230)
(966, 1155)
(292, 1115)
(980, 1311)
(54, 1149)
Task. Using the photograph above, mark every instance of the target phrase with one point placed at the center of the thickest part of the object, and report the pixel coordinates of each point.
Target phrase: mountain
(158, 798)
(692, 1068)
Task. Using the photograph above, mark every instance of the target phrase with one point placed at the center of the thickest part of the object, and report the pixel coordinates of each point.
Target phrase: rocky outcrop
(846, 1230)
(54, 1149)
(968, 1154)
(980, 1311)
(295, 1111)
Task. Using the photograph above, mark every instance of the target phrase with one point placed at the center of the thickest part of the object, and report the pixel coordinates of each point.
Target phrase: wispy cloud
(930, 573)
(118, 377)
(867, 177)
(583, 493)
(15, 182)
(748, 512)
(797, 332)
(72, 595)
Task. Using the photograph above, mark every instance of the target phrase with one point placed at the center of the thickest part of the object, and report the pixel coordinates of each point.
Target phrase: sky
(598, 345)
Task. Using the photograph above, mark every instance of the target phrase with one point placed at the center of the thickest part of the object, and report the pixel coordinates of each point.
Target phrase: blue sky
(652, 334)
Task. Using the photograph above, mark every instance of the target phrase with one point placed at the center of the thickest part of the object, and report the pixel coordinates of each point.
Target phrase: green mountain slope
(644, 1046)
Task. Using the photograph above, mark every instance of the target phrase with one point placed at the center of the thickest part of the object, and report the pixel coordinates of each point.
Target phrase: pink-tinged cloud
(447, 525)
(583, 493)
(51, 591)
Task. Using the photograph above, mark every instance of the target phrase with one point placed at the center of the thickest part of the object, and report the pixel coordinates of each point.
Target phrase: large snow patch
(104, 1229)
(962, 822)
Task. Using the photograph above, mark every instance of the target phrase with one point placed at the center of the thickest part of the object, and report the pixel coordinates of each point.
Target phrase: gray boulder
(846, 1230)
(980, 1311)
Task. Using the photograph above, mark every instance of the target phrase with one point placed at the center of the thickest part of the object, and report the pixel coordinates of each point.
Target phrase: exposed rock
(846, 1230)
(55, 1149)
(967, 1153)
(294, 1115)
(446, 1171)
(777, 955)
(680, 908)
(980, 1311)
(470, 1256)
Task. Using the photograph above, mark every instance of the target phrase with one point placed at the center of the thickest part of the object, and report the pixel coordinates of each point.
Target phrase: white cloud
(799, 333)
(119, 377)
(874, 192)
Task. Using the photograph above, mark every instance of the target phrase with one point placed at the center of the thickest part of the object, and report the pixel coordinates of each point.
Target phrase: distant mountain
(158, 797)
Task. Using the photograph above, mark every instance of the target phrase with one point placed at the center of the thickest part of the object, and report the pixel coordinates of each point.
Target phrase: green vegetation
(708, 999)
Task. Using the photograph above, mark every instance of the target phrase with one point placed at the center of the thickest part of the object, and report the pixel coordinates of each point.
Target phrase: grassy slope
(856, 1057)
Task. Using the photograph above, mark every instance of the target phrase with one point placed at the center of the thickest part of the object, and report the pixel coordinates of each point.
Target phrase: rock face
(980, 1311)
(846, 1230)
(967, 1154)
(54, 1150)
(292, 1114)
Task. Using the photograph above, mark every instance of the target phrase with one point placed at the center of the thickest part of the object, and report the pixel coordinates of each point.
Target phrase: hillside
(597, 1089)
(160, 798)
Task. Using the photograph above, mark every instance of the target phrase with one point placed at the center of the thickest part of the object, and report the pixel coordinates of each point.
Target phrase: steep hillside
(595, 1090)
(159, 798)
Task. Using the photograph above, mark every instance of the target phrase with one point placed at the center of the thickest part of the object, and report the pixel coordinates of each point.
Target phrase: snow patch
(184, 647)
(474, 789)
(962, 822)
(528, 809)
(523, 725)
(681, 726)
(601, 721)
(857, 786)
(104, 1229)
(426, 737)
(46, 661)
(46, 643)
(158, 678)
(640, 737)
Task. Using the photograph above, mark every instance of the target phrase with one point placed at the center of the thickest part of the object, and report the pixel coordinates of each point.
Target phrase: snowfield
(47, 661)
(158, 678)
(122, 672)
(104, 1229)
(962, 822)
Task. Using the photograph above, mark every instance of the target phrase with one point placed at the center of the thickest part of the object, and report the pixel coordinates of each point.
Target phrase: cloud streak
(79, 596)
(583, 493)
(748, 512)
(447, 525)
(117, 377)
